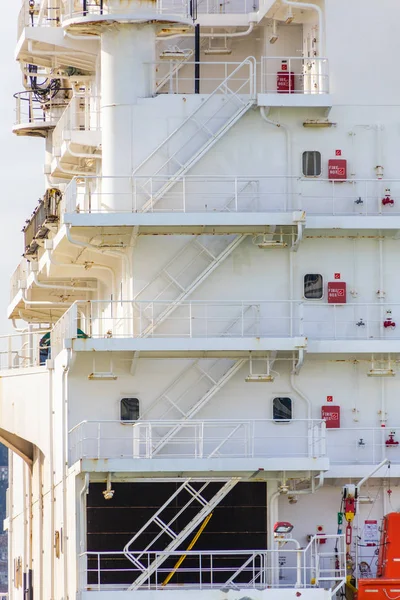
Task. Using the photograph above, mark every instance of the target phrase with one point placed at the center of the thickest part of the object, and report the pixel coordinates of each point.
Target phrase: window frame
(120, 409)
(302, 164)
(323, 288)
(282, 421)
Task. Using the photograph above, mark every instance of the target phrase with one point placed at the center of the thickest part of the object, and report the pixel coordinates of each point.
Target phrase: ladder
(189, 142)
(195, 498)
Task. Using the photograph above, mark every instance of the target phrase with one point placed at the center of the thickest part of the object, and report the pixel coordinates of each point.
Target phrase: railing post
(236, 194)
(98, 440)
(301, 319)
(184, 194)
(9, 352)
(98, 571)
(334, 322)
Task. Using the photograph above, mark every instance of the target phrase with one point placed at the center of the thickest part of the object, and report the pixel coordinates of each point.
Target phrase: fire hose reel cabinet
(336, 292)
(285, 80)
(331, 415)
(337, 169)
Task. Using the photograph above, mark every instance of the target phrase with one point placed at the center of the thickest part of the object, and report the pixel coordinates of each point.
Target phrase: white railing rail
(64, 329)
(324, 564)
(30, 109)
(19, 277)
(41, 14)
(79, 8)
(353, 320)
(227, 6)
(201, 193)
(363, 445)
(294, 75)
(197, 319)
(22, 350)
(197, 439)
(188, 194)
(213, 74)
(81, 114)
(349, 197)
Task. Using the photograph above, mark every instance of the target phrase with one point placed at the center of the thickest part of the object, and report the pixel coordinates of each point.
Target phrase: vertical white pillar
(127, 66)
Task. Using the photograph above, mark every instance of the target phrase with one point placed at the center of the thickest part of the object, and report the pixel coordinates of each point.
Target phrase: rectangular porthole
(129, 409)
(282, 409)
(313, 286)
(312, 163)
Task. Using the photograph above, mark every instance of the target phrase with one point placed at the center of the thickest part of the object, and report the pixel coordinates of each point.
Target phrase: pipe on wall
(318, 9)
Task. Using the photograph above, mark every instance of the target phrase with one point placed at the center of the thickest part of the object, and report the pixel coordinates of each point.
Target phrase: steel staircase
(166, 529)
(187, 144)
(183, 274)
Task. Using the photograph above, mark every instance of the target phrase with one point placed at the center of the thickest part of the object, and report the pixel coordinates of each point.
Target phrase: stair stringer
(244, 103)
(177, 539)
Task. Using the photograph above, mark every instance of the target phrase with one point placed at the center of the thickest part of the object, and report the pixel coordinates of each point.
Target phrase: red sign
(331, 416)
(337, 275)
(338, 153)
(336, 292)
(329, 398)
(337, 168)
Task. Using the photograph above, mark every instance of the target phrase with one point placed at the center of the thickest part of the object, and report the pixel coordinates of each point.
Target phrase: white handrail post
(334, 322)
(184, 194)
(236, 194)
(98, 440)
(190, 320)
(301, 318)
(9, 352)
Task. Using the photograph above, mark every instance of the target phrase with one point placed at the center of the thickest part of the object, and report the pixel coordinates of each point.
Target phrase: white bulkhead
(207, 314)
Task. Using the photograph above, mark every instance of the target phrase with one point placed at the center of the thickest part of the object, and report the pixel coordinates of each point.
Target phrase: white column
(127, 66)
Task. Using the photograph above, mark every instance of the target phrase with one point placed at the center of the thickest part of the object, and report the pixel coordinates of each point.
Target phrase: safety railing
(88, 8)
(351, 321)
(32, 109)
(39, 13)
(261, 438)
(189, 194)
(200, 319)
(19, 276)
(356, 197)
(316, 565)
(192, 193)
(81, 114)
(227, 6)
(294, 75)
(363, 445)
(242, 79)
(21, 350)
(99, 319)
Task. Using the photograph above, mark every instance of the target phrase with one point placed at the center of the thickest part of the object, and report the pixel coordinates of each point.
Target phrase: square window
(312, 163)
(313, 286)
(282, 409)
(129, 409)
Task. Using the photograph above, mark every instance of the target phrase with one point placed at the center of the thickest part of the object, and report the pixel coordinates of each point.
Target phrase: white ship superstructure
(207, 323)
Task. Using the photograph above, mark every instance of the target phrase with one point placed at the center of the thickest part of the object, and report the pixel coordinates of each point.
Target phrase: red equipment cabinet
(331, 415)
(285, 80)
(337, 169)
(336, 292)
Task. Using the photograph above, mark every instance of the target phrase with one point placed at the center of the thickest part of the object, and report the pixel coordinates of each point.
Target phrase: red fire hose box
(331, 415)
(285, 80)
